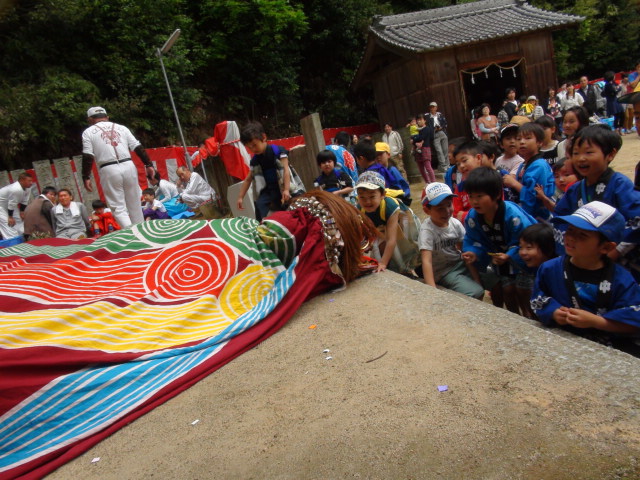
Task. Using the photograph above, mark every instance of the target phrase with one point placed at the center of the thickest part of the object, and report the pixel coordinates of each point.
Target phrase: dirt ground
(520, 401)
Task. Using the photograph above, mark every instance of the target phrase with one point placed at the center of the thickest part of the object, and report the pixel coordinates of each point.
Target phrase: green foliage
(111, 45)
(606, 40)
(41, 116)
(331, 53)
(248, 55)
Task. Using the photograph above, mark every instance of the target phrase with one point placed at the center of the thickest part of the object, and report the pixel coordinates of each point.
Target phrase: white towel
(46, 198)
(75, 211)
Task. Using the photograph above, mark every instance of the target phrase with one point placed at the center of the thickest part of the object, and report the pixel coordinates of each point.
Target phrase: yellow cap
(383, 147)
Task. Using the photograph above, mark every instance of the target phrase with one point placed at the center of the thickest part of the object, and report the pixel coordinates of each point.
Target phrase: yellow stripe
(139, 326)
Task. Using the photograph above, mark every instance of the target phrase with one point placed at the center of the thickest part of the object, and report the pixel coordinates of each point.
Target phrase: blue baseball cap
(597, 217)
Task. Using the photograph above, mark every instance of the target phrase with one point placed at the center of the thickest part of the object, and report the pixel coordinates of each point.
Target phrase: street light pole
(160, 51)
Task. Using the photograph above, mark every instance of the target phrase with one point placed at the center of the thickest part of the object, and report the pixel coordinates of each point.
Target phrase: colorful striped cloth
(96, 333)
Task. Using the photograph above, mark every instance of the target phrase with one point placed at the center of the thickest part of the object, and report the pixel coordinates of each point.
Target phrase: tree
(41, 117)
(248, 57)
(606, 40)
(104, 48)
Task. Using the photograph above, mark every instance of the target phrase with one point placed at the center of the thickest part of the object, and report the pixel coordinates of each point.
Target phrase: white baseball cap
(436, 192)
(597, 217)
(93, 111)
(370, 180)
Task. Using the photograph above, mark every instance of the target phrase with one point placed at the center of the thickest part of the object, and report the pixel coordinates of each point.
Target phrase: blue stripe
(89, 407)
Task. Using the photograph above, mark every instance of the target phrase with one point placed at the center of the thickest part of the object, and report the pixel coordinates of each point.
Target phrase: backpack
(296, 187)
(601, 102)
(407, 254)
(411, 224)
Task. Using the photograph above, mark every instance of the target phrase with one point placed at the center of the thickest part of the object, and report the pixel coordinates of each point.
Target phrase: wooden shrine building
(459, 56)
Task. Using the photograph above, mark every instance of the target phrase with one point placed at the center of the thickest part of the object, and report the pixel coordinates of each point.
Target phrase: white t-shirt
(108, 142)
(166, 190)
(441, 241)
(156, 205)
(509, 164)
(13, 194)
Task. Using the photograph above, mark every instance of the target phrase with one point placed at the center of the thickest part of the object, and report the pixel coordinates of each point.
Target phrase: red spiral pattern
(191, 269)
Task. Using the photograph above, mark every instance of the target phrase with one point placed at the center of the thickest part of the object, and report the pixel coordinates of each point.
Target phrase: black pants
(269, 199)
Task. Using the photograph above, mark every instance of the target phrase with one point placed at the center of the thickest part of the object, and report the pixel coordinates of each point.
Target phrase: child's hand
(582, 319)
(286, 196)
(560, 315)
(239, 204)
(539, 192)
(509, 181)
(469, 257)
(381, 267)
(500, 258)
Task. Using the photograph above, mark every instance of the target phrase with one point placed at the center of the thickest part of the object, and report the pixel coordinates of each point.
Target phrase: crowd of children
(547, 227)
(551, 236)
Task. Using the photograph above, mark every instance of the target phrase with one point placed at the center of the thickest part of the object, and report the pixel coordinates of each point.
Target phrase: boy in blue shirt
(366, 157)
(332, 179)
(365, 153)
(452, 177)
(584, 288)
(269, 168)
(533, 172)
(493, 229)
(594, 148)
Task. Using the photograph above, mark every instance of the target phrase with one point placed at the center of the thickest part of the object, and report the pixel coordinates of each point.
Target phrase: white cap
(370, 180)
(433, 104)
(436, 192)
(597, 217)
(93, 111)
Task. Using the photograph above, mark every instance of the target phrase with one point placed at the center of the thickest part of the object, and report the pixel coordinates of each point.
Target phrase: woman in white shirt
(571, 99)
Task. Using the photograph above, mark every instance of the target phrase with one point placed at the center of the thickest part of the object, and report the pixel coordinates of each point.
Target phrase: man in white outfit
(109, 145)
(13, 201)
(196, 190)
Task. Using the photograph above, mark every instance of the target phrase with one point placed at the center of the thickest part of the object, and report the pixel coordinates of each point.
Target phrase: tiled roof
(466, 23)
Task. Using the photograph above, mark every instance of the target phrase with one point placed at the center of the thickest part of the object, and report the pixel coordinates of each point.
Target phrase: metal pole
(187, 157)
